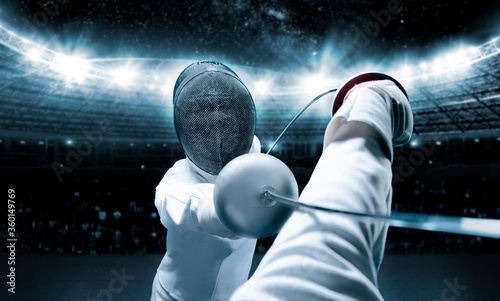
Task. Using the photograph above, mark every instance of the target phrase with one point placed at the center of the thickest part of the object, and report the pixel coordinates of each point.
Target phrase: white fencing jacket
(198, 265)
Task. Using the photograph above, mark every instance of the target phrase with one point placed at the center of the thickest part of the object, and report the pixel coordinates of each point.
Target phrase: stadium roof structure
(46, 93)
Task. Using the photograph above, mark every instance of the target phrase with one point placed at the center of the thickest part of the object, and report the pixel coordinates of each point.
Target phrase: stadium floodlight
(262, 87)
(461, 56)
(423, 66)
(35, 54)
(166, 84)
(123, 77)
(438, 66)
(73, 68)
(406, 72)
(457, 59)
(314, 83)
(473, 53)
(450, 61)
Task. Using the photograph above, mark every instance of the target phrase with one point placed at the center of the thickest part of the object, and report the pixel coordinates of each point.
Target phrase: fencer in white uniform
(214, 117)
(324, 256)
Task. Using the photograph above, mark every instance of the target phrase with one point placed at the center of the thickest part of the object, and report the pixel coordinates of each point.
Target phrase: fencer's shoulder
(180, 172)
(181, 166)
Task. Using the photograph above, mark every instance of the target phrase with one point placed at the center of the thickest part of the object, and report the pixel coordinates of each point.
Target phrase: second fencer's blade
(437, 223)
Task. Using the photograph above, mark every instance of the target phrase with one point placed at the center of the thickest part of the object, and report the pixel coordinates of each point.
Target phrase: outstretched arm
(323, 256)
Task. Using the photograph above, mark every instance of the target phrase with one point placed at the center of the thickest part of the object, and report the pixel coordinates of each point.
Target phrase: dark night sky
(275, 34)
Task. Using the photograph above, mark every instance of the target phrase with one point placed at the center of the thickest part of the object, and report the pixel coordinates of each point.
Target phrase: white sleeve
(179, 208)
(184, 200)
(324, 256)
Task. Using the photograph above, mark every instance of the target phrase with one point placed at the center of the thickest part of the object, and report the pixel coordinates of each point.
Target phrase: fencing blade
(436, 223)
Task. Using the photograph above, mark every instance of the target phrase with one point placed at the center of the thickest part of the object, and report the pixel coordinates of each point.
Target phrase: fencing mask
(214, 115)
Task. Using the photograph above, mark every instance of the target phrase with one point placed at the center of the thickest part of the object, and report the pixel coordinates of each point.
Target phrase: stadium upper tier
(45, 92)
